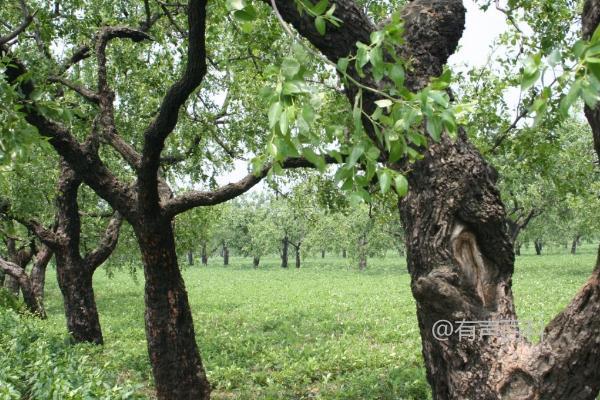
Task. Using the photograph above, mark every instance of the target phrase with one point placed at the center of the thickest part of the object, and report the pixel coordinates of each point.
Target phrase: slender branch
(86, 93)
(27, 20)
(193, 199)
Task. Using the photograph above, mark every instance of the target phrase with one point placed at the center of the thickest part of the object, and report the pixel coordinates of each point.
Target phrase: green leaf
(290, 67)
(314, 158)
(397, 75)
(434, 127)
(274, 114)
(401, 185)
(320, 7)
(320, 25)
(283, 123)
(248, 14)
(385, 181)
(342, 65)
(357, 151)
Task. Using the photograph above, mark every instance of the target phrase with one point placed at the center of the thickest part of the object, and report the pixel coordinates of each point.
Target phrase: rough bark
(19, 257)
(74, 271)
(32, 302)
(460, 255)
(38, 271)
(176, 365)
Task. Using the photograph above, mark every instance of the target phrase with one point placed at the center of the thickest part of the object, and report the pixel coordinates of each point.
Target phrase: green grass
(325, 331)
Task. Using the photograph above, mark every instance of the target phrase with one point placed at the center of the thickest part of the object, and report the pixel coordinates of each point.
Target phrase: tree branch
(27, 20)
(193, 199)
(109, 241)
(168, 114)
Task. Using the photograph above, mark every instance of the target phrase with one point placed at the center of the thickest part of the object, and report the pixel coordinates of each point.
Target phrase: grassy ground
(325, 331)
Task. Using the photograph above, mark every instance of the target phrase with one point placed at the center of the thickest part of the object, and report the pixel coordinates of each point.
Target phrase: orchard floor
(325, 331)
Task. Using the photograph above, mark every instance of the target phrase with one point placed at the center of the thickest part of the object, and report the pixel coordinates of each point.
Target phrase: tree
(453, 214)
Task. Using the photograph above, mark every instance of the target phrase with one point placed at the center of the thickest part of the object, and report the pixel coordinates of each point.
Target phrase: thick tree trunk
(460, 256)
(190, 257)
(75, 282)
(204, 254)
(255, 261)
(176, 365)
(284, 252)
(574, 244)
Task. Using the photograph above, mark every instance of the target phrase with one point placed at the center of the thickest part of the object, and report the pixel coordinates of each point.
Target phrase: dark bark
(176, 365)
(539, 245)
(322, 253)
(460, 255)
(204, 254)
(74, 271)
(190, 257)
(296, 247)
(344, 253)
(19, 257)
(225, 252)
(255, 261)
(574, 244)
(284, 252)
(33, 303)
(518, 248)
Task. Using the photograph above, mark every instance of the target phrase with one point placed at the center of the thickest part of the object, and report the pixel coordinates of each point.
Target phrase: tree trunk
(18, 274)
(574, 244)
(297, 256)
(322, 253)
(255, 262)
(11, 284)
(75, 282)
(460, 256)
(204, 254)
(284, 252)
(176, 365)
(190, 257)
(225, 255)
(38, 272)
(538, 246)
(518, 248)
(344, 255)
(362, 253)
